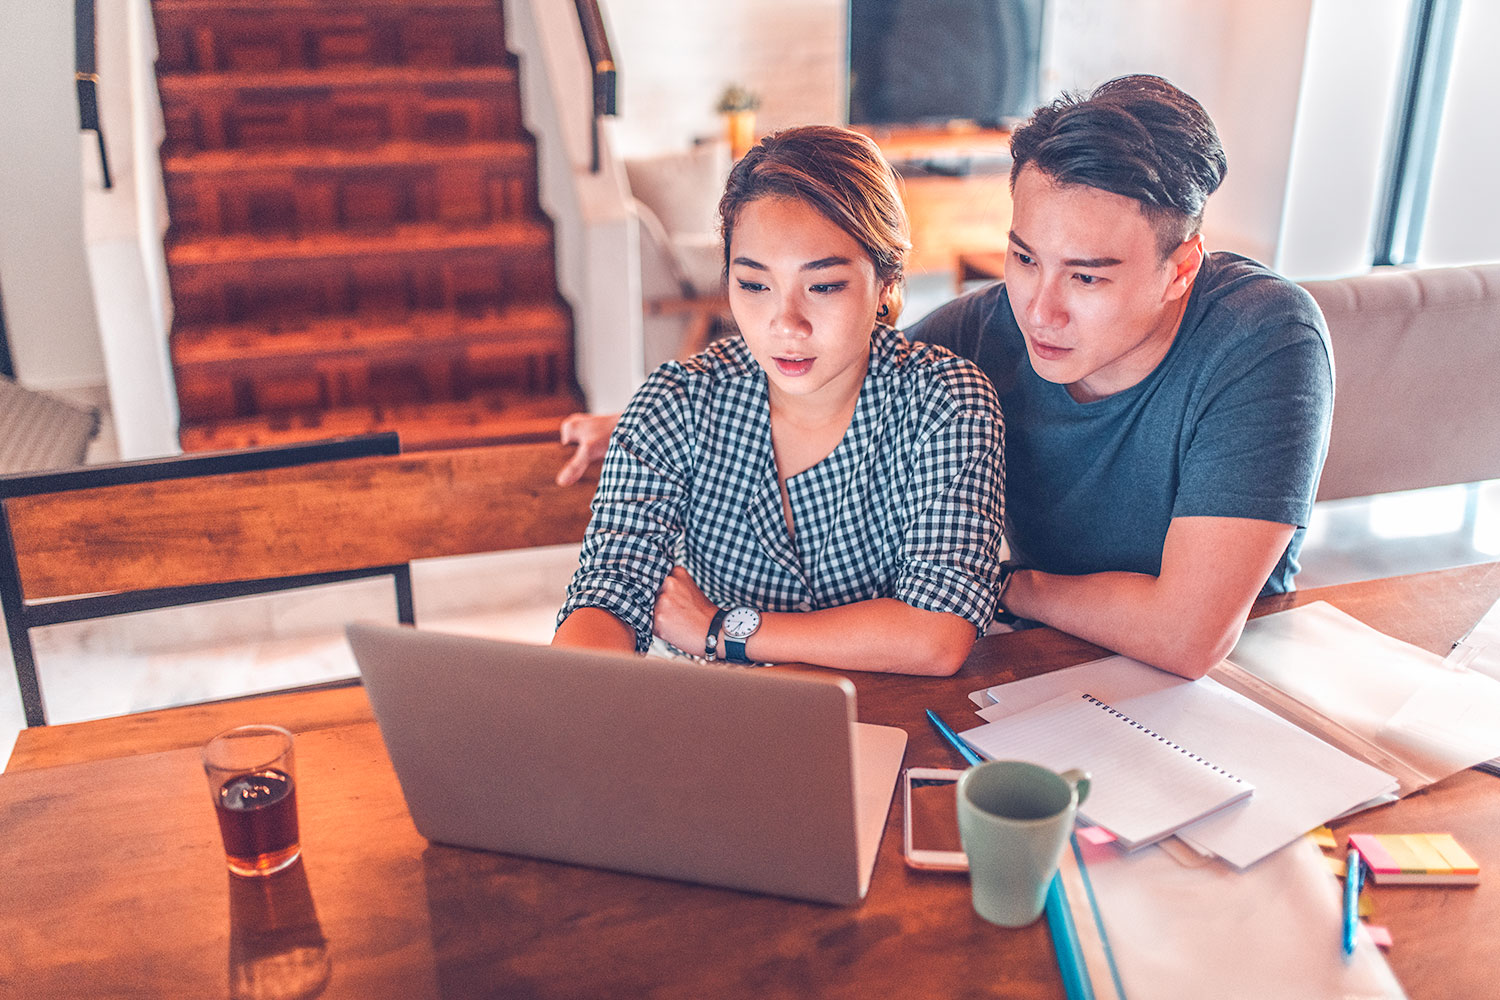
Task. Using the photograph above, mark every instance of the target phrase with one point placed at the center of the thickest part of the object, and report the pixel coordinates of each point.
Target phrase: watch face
(741, 623)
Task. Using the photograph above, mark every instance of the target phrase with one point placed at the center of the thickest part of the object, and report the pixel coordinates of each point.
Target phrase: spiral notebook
(1145, 787)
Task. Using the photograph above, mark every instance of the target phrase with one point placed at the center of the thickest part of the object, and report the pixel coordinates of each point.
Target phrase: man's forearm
(1186, 619)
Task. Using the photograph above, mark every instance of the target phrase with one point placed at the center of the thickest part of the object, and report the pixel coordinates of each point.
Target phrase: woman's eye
(751, 286)
(830, 287)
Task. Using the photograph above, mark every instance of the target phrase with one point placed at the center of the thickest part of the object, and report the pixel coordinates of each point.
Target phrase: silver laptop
(748, 779)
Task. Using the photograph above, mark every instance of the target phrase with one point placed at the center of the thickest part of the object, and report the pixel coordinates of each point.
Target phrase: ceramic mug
(1013, 820)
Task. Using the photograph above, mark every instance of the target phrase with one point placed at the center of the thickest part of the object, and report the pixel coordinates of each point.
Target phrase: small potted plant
(738, 105)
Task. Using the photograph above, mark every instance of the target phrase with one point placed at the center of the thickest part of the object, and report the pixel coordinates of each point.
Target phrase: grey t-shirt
(1232, 423)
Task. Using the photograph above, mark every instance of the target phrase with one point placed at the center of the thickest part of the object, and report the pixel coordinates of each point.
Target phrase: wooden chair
(135, 536)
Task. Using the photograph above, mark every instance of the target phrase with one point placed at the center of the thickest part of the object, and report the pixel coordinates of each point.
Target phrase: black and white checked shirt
(909, 505)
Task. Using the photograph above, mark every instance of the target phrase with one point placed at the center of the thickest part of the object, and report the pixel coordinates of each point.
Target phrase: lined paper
(1144, 786)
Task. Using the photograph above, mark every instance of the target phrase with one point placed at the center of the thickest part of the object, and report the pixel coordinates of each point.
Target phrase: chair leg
(406, 612)
(31, 689)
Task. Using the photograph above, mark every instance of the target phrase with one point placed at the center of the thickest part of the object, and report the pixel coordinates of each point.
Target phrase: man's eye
(1088, 279)
(1024, 258)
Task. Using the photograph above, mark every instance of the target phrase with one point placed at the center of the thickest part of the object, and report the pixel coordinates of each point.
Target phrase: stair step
(218, 35)
(517, 331)
(339, 107)
(236, 371)
(244, 279)
(292, 191)
(412, 239)
(494, 419)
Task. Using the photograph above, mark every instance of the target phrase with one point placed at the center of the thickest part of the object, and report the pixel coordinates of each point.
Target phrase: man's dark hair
(1135, 136)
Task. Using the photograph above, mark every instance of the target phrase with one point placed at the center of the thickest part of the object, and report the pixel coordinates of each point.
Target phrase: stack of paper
(1300, 781)
(1144, 785)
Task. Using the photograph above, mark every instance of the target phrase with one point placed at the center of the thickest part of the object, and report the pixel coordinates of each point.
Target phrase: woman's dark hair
(841, 174)
(1135, 136)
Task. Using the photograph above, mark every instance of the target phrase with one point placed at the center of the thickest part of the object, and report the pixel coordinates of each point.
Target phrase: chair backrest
(1415, 356)
(139, 535)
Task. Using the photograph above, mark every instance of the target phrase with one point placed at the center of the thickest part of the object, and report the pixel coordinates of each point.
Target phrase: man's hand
(683, 614)
(590, 432)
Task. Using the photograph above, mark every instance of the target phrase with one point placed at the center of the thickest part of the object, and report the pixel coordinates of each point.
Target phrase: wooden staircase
(356, 242)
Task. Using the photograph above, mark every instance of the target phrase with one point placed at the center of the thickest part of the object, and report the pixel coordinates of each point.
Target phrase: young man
(1166, 409)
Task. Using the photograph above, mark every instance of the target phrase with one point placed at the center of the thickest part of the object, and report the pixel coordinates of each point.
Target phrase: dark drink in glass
(252, 777)
(258, 820)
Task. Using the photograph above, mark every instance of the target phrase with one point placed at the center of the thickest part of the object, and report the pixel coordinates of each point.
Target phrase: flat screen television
(918, 62)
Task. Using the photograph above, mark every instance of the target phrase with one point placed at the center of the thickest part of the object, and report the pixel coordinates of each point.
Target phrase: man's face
(1098, 306)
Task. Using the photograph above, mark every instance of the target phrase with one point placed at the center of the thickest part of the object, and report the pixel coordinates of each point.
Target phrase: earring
(883, 311)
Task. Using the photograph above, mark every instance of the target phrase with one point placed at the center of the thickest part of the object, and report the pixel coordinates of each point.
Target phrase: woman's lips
(794, 367)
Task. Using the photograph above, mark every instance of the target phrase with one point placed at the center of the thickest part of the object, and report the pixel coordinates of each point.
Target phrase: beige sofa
(1416, 358)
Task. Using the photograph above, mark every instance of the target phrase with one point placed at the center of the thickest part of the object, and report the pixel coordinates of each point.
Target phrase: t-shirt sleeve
(1261, 435)
(637, 522)
(950, 554)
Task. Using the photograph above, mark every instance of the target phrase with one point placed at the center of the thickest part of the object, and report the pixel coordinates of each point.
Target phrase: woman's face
(805, 296)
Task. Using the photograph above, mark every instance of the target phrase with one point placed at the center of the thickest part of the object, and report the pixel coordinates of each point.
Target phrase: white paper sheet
(1272, 932)
(1300, 781)
(1438, 717)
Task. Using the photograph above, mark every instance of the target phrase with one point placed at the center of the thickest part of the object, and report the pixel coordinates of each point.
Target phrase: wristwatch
(711, 643)
(740, 624)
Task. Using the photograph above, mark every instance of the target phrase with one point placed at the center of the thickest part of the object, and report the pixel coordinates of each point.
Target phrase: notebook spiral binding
(1158, 736)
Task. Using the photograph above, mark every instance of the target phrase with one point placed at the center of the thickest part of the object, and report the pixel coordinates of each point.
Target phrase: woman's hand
(590, 432)
(683, 614)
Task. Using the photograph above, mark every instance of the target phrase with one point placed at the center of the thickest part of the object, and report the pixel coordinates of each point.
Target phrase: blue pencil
(1075, 977)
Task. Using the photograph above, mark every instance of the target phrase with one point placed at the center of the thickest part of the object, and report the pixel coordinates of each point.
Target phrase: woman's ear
(891, 300)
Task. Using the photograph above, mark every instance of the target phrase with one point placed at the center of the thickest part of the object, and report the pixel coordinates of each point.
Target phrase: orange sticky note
(1380, 935)
(1095, 835)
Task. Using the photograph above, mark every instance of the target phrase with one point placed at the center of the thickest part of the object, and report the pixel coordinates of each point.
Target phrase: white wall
(594, 228)
(1242, 60)
(49, 310)
(123, 228)
(677, 56)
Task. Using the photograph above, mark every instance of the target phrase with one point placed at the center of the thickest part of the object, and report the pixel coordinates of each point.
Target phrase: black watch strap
(711, 641)
(1007, 570)
(734, 650)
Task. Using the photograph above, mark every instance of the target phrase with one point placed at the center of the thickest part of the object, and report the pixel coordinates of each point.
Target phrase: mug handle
(1080, 780)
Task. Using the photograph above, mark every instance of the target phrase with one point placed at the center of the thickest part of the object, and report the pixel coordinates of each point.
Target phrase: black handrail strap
(86, 74)
(602, 66)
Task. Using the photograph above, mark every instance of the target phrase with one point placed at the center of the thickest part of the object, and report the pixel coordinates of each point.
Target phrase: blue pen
(958, 742)
(1353, 877)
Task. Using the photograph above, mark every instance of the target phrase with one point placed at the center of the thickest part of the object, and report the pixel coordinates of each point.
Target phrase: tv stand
(957, 186)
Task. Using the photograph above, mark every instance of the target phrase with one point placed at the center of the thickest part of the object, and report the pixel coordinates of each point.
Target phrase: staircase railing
(86, 73)
(602, 62)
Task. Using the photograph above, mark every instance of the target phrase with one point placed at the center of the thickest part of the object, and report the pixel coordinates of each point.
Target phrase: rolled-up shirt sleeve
(955, 509)
(637, 522)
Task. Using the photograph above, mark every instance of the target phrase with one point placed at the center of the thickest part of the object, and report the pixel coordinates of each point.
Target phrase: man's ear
(1183, 265)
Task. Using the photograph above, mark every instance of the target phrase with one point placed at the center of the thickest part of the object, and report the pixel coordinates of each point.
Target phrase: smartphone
(929, 797)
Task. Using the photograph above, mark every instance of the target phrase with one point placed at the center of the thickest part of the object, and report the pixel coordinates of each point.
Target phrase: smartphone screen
(931, 840)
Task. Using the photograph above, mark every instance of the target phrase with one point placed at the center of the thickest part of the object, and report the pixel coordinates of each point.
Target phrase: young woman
(816, 489)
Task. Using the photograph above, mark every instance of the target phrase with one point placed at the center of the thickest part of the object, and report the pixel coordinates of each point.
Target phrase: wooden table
(112, 880)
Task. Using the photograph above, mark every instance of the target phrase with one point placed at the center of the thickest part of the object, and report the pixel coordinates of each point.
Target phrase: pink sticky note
(1380, 935)
(1095, 835)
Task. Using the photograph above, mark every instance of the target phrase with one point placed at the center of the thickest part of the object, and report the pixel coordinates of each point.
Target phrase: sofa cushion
(1417, 379)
